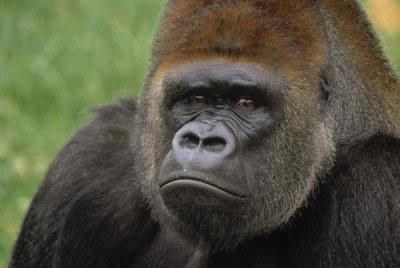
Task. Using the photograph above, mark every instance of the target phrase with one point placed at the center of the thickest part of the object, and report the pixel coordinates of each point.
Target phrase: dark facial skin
(217, 110)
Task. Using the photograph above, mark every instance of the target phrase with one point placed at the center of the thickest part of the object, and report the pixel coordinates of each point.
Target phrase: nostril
(214, 144)
(190, 141)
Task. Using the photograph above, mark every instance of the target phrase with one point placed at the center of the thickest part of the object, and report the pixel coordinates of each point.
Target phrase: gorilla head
(241, 130)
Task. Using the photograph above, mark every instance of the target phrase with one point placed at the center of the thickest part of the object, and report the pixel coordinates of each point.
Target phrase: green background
(57, 59)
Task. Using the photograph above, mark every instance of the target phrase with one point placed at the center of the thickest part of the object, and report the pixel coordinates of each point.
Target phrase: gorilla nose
(203, 145)
(213, 144)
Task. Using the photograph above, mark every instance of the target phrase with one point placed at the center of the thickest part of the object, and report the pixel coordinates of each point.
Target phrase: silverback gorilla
(267, 136)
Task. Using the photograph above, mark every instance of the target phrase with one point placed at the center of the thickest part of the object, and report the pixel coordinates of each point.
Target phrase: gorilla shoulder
(100, 144)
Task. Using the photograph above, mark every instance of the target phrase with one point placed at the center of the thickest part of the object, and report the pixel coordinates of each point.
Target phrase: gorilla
(267, 135)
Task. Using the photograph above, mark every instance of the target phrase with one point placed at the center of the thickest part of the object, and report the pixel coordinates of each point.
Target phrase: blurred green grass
(57, 59)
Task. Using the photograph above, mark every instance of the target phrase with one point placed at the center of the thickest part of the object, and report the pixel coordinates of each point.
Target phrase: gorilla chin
(205, 210)
(205, 206)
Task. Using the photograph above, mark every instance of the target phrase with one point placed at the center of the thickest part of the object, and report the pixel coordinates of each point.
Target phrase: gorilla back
(267, 136)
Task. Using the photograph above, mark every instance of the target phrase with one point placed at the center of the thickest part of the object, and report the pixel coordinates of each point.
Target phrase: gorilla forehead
(248, 74)
(223, 74)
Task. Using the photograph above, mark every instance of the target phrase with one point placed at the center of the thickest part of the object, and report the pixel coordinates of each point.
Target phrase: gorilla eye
(197, 98)
(246, 102)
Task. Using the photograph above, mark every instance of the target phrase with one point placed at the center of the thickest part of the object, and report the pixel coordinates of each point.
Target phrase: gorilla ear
(364, 91)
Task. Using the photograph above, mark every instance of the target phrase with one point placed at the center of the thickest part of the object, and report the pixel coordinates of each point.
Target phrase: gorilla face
(241, 146)
(235, 126)
(217, 111)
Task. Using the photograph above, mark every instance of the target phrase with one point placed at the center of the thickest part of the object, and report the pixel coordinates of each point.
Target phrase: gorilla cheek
(282, 174)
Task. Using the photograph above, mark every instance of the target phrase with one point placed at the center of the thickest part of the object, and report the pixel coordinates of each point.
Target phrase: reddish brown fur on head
(285, 35)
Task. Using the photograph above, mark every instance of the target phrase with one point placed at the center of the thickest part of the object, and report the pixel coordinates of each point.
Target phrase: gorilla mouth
(203, 185)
